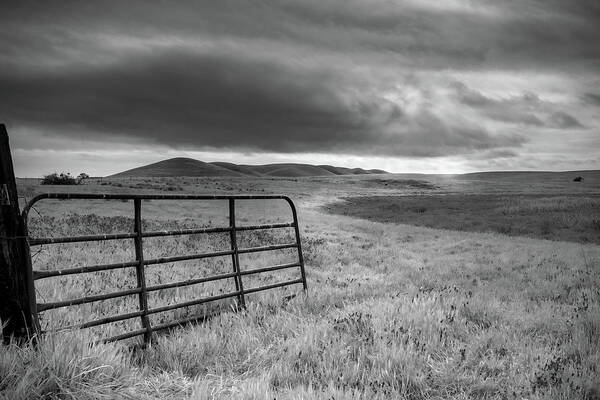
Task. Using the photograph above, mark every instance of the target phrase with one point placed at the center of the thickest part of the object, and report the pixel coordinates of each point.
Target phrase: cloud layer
(395, 79)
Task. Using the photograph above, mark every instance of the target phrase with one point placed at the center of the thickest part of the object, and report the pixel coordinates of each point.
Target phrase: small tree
(62, 179)
(82, 176)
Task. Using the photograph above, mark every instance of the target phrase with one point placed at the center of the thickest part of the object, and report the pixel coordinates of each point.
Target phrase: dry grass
(393, 311)
(557, 217)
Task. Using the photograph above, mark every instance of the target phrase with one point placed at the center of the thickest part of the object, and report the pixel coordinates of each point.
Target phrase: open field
(394, 310)
(574, 218)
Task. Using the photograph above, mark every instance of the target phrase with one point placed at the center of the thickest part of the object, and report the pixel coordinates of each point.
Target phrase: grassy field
(574, 218)
(394, 310)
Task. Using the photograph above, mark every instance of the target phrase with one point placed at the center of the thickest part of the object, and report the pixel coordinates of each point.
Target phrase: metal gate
(140, 262)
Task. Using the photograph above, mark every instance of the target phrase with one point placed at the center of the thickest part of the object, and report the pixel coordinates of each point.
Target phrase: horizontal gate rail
(80, 270)
(140, 262)
(273, 286)
(163, 260)
(268, 269)
(267, 248)
(87, 299)
(100, 321)
(117, 236)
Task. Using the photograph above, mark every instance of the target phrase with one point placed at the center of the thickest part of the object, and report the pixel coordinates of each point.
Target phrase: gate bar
(180, 232)
(170, 286)
(37, 274)
(87, 299)
(140, 273)
(267, 248)
(235, 258)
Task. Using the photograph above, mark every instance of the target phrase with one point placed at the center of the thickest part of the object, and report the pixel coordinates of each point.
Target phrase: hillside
(190, 167)
(178, 167)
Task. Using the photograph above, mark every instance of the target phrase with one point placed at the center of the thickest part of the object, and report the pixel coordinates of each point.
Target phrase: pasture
(420, 287)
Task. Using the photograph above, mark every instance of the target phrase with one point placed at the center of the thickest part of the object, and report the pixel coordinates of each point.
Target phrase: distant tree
(578, 179)
(59, 179)
(82, 176)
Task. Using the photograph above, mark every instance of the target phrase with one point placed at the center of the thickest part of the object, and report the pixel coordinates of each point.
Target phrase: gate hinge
(4, 198)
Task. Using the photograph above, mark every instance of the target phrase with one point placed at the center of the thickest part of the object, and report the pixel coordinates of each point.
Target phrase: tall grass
(392, 312)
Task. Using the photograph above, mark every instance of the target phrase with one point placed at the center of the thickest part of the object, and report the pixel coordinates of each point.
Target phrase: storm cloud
(200, 100)
(394, 79)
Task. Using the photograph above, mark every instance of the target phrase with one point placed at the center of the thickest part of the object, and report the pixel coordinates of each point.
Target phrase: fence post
(298, 243)
(235, 257)
(17, 299)
(140, 273)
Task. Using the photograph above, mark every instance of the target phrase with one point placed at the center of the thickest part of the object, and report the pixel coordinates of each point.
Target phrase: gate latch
(4, 198)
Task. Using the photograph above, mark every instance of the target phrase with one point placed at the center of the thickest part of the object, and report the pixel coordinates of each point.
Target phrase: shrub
(62, 179)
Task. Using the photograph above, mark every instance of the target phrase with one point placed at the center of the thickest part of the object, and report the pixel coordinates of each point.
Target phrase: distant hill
(190, 167)
(178, 167)
(351, 171)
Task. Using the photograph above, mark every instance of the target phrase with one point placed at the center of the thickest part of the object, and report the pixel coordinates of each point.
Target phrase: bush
(62, 179)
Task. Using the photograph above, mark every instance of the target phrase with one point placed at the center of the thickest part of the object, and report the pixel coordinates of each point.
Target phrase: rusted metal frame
(80, 270)
(160, 327)
(140, 273)
(139, 332)
(87, 299)
(92, 196)
(138, 290)
(117, 236)
(145, 313)
(218, 297)
(37, 274)
(235, 257)
(179, 322)
(181, 232)
(268, 269)
(184, 321)
(268, 226)
(298, 242)
(96, 322)
(267, 248)
(106, 267)
(75, 239)
(273, 286)
(163, 260)
(122, 317)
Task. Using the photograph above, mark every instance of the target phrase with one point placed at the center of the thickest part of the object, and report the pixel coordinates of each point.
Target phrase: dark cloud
(547, 33)
(592, 98)
(562, 120)
(287, 76)
(525, 109)
(496, 154)
(198, 101)
(516, 109)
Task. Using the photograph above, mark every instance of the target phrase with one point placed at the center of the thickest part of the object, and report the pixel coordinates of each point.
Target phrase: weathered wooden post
(17, 303)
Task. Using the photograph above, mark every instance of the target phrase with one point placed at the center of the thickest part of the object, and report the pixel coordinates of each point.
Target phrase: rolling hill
(189, 167)
(178, 167)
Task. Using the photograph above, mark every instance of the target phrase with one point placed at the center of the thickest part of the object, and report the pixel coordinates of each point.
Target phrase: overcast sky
(406, 85)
